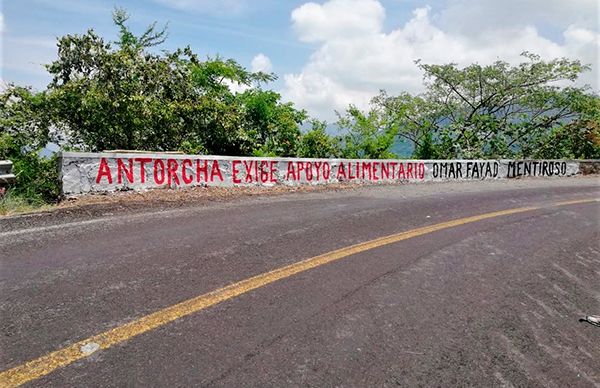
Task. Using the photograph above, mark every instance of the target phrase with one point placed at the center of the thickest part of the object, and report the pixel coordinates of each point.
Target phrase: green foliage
(24, 121)
(212, 74)
(125, 95)
(496, 111)
(150, 37)
(316, 143)
(24, 131)
(36, 177)
(269, 123)
(115, 98)
(579, 139)
(412, 116)
(426, 148)
(120, 95)
(369, 135)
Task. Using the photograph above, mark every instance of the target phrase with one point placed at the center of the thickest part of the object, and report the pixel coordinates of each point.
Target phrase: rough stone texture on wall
(102, 172)
(588, 167)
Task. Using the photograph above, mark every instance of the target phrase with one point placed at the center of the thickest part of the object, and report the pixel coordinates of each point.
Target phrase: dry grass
(165, 197)
(11, 204)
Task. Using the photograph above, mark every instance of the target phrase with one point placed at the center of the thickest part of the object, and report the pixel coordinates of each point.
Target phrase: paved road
(489, 302)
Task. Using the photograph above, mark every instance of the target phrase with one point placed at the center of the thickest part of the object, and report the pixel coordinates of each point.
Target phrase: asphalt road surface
(318, 298)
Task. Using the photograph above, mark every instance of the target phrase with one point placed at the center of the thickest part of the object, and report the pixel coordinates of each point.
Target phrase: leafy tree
(270, 124)
(369, 135)
(122, 95)
(24, 130)
(213, 75)
(413, 117)
(579, 139)
(426, 148)
(492, 111)
(118, 95)
(316, 143)
(24, 120)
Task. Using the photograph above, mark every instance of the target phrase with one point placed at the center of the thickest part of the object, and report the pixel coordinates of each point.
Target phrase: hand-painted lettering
(116, 172)
(235, 171)
(104, 171)
(143, 162)
(185, 165)
(159, 172)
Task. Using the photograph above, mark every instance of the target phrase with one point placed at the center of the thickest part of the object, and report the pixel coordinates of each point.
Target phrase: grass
(12, 203)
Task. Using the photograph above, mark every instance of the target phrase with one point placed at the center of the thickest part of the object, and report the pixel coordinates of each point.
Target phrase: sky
(326, 54)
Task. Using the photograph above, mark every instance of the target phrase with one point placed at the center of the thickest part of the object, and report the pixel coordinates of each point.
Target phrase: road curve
(446, 300)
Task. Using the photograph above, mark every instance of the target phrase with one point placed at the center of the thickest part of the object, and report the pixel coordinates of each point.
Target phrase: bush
(36, 180)
(316, 143)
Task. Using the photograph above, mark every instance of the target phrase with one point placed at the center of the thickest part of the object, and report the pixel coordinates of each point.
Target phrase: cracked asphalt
(489, 303)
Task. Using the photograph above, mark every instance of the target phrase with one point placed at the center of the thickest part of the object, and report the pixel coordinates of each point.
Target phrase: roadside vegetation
(128, 94)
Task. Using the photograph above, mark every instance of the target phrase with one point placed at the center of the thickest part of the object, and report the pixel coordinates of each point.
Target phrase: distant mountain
(402, 148)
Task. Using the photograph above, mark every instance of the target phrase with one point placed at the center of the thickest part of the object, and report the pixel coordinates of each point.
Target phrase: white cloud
(478, 15)
(2, 25)
(356, 57)
(337, 19)
(236, 87)
(261, 63)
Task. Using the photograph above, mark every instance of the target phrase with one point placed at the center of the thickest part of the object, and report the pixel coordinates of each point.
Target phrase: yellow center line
(46, 364)
(575, 202)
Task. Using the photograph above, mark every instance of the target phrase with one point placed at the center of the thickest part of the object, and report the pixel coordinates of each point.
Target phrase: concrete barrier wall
(101, 172)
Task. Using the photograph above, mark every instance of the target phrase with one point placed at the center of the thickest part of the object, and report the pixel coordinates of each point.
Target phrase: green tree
(126, 95)
(122, 95)
(118, 95)
(579, 139)
(271, 127)
(367, 135)
(426, 148)
(25, 118)
(414, 118)
(316, 143)
(494, 111)
(25, 128)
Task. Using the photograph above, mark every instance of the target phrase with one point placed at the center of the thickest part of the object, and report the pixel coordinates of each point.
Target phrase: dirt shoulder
(131, 202)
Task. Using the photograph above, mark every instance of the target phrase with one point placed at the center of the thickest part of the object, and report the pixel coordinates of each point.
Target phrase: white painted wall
(104, 172)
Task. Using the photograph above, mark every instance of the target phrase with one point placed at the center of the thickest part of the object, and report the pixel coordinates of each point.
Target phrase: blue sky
(31, 27)
(327, 54)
